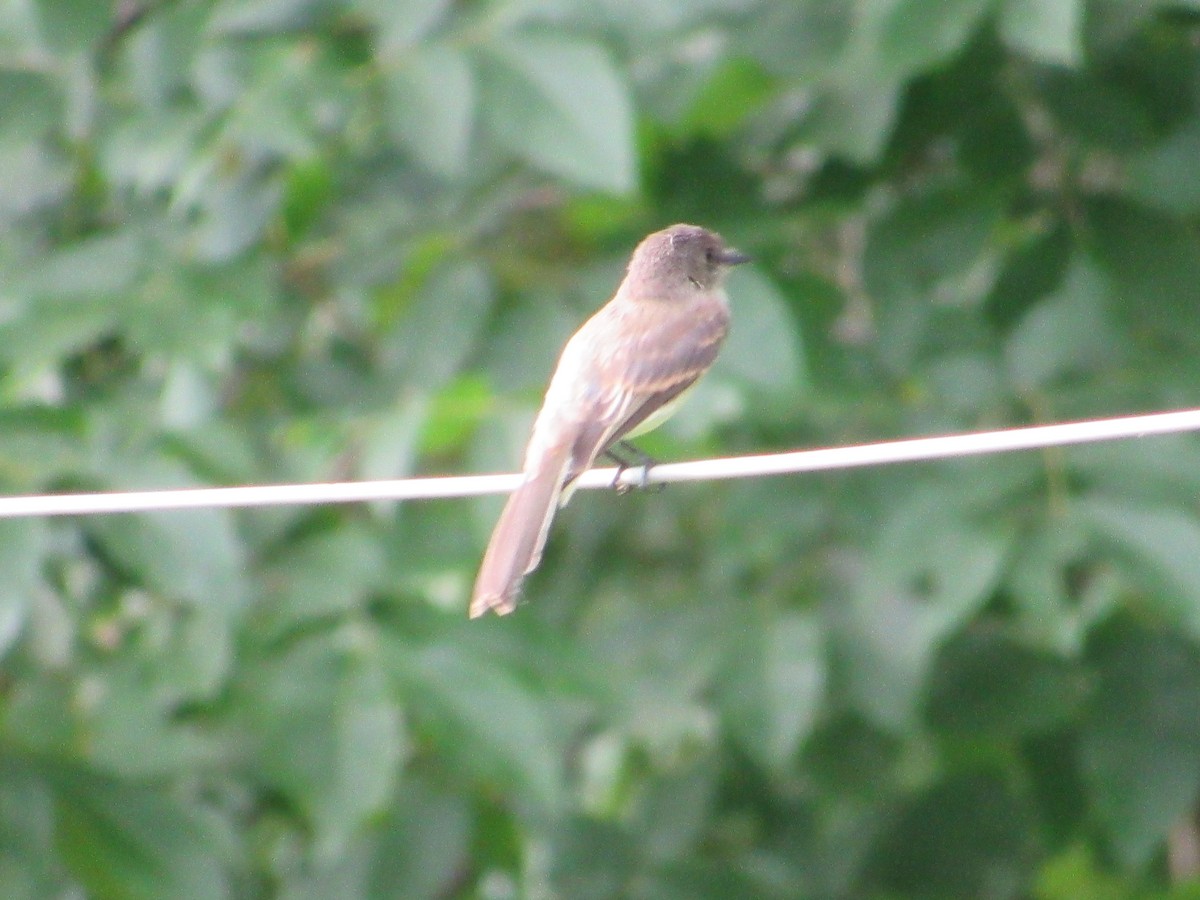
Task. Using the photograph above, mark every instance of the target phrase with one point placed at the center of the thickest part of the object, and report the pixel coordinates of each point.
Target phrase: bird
(624, 372)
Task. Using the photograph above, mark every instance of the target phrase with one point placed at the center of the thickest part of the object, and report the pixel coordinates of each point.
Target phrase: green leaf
(133, 727)
(55, 330)
(1140, 748)
(1051, 610)
(451, 421)
(1098, 112)
(1048, 32)
(1155, 473)
(917, 34)
(1077, 872)
(194, 313)
(200, 653)
(24, 545)
(929, 257)
(19, 29)
(1066, 334)
(69, 26)
(671, 813)
(1161, 542)
(29, 861)
(525, 339)
(592, 860)
(71, 297)
(965, 382)
(134, 842)
(95, 267)
(423, 843)
(797, 39)
(689, 878)
(926, 243)
(1165, 176)
(320, 576)
(853, 118)
(161, 62)
(561, 105)
(1111, 23)
(481, 717)
(191, 555)
(150, 153)
(964, 836)
(773, 688)
(987, 686)
(434, 336)
(1032, 269)
(328, 733)
(661, 643)
(401, 24)
(431, 100)
(728, 99)
(924, 256)
(30, 105)
(928, 572)
(250, 17)
(763, 347)
(279, 112)
(34, 178)
(1153, 262)
(233, 214)
(391, 439)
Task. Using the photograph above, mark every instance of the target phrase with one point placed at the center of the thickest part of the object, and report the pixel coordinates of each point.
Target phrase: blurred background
(263, 241)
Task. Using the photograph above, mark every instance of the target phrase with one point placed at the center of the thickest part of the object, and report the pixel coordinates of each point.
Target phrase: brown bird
(621, 374)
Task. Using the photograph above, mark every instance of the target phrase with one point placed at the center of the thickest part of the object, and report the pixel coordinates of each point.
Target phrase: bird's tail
(516, 545)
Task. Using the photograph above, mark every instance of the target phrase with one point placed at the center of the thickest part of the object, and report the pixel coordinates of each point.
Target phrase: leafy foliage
(275, 240)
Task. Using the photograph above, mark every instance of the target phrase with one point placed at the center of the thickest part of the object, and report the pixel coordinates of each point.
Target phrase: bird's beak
(731, 257)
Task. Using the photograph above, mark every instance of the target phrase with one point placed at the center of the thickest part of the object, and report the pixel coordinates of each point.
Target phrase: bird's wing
(655, 353)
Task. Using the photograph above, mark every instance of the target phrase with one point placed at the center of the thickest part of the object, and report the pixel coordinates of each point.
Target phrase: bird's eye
(708, 254)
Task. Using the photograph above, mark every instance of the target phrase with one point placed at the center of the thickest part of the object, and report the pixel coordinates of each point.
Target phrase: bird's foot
(627, 456)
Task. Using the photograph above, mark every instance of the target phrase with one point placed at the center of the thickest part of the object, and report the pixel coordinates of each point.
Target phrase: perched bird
(620, 375)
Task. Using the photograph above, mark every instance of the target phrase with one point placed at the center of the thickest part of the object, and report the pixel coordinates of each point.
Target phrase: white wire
(911, 450)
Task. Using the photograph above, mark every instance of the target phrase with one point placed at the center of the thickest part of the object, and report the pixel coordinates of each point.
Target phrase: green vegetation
(262, 241)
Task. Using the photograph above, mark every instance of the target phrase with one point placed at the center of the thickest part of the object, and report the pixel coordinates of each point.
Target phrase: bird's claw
(639, 459)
